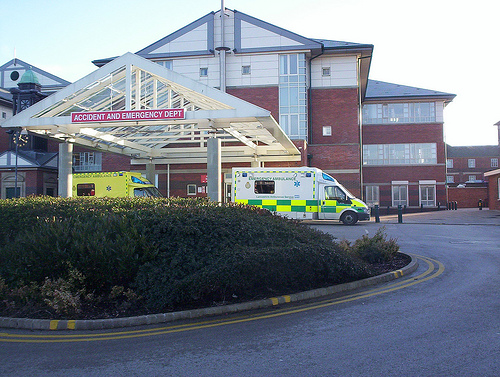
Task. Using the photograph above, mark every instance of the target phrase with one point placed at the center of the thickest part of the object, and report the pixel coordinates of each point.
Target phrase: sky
(444, 45)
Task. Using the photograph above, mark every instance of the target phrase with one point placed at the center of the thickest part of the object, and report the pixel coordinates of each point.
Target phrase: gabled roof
(28, 159)
(250, 35)
(379, 90)
(48, 81)
(473, 151)
(131, 83)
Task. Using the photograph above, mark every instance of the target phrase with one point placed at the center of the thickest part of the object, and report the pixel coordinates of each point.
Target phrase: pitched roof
(378, 90)
(473, 151)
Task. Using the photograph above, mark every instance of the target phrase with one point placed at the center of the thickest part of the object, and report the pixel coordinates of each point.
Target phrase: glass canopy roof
(130, 83)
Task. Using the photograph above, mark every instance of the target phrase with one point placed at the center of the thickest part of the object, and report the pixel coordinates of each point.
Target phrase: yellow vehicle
(113, 185)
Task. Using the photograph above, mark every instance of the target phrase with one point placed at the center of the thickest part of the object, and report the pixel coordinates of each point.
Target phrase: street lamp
(19, 138)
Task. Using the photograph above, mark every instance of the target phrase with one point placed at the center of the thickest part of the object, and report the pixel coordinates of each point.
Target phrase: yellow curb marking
(425, 276)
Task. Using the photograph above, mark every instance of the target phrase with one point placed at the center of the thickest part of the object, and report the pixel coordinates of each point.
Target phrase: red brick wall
(337, 108)
(267, 98)
(493, 193)
(461, 170)
(468, 197)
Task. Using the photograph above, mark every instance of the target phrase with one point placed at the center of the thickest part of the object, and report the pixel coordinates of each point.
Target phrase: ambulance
(113, 185)
(298, 193)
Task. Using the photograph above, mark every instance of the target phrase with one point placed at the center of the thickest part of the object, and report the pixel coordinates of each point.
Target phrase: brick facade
(468, 197)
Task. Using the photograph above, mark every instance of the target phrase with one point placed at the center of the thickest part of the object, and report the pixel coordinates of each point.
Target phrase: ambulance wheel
(349, 218)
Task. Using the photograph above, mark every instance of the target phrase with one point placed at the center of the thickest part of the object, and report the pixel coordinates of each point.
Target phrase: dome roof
(29, 77)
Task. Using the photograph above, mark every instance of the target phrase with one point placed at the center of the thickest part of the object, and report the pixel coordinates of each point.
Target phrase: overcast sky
(444, 45)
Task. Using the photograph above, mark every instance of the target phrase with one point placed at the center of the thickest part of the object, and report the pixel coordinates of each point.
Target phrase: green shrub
(376, 249)
(110, 256)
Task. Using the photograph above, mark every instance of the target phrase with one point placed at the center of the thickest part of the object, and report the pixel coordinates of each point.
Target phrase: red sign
(131, 115)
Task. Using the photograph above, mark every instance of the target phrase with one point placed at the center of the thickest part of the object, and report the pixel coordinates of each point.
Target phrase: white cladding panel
(343, 71)
(43, 80)
(256, 37)
(194, 40)
(439, 112)
(191, 69)
(7, 110)
(264, 70)
(228, 28)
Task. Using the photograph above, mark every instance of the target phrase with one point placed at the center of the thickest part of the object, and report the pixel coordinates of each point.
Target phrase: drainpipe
(309, 103)
(222, 49)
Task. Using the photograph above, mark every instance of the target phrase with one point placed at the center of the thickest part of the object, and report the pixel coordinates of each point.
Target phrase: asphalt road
(443, 320)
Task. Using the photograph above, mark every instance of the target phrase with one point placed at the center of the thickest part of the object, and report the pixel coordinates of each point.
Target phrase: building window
(494, 162)
(472, 178)
(191, 189)
(400, 154)
(325, 71)
(165, 63)
(471, 163)
(372, 195)
(4, 114)
(428, 195)
(87, 161)
(327, 130)
(449, 163)
(399, 195)
(293, 95)
(245, 70)
(413, 112)
(450, 179)
(204, 72)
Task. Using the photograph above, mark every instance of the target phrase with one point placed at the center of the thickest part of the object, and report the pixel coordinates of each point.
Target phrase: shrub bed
(89, 257)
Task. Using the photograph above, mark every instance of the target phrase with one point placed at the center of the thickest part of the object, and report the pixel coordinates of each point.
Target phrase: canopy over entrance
(136, 107)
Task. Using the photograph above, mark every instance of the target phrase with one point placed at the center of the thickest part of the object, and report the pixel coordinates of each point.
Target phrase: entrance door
(333, 202)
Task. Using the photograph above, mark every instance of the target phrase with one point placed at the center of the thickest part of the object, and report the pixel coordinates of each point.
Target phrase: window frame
(246, 69)
(189, 189)
(471, 163)
(399, 186)
(203, 71)
(326, 71)
(327, 130)
(494, 162)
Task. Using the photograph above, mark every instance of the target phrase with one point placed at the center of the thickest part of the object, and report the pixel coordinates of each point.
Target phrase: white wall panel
(439, 112)
(255, 37)
(343, 71)
(228, 27)
(195, 40)
(263, 70)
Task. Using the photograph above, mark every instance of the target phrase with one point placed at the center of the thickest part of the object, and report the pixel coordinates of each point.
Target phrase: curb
(112, 323)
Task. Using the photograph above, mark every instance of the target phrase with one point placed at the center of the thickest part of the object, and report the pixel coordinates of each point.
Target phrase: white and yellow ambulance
(298, 193)
(113, 185)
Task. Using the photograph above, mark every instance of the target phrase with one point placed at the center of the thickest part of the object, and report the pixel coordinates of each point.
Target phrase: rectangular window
(400, 154)
(325, 71)
(4, 114)
(327, 130)
(399, 195)
(191, 189)
(450, 179)
(413, 112)
(471, 163)
(165, 63)
(472, 178)
(372, 195)
(85, 189)
(494, 162)
(428, 196)
(264, 187)
(204, 72)
(449, 163)
(293, 95)
(245, 70)
(87, 161)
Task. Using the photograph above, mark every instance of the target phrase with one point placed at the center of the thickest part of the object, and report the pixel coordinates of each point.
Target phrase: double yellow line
(435, 268)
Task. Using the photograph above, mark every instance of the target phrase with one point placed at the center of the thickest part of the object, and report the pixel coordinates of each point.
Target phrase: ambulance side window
(334, 193)
(85, 189)
(264, 187)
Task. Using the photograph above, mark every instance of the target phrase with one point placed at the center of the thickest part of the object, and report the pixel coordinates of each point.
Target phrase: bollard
(439, 206)
(388, 210)
(455, 205)
(449, 205)
(377, 213)
(480, 204)
(400, 214)
(421, 207)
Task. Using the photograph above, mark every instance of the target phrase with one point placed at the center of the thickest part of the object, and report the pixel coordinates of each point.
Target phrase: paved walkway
(465, 216)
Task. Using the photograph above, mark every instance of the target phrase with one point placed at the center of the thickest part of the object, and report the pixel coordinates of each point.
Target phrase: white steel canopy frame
(248, 133)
